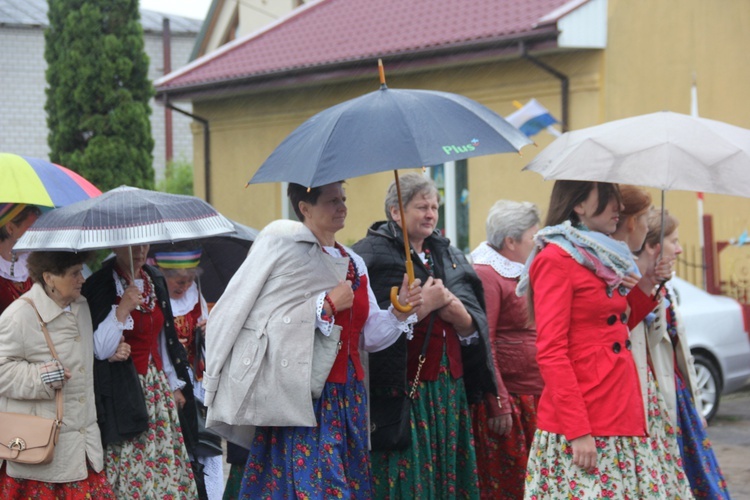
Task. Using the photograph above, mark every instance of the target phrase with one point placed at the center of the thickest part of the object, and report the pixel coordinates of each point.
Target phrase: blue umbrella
(387, 130)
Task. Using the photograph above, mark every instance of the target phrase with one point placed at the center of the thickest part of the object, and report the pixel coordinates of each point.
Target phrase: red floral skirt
(502, 459)
(94, 486)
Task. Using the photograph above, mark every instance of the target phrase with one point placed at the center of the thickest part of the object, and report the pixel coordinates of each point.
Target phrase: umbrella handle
(394, 290)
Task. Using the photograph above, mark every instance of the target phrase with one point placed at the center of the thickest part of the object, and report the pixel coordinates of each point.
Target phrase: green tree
(97, 99)
(178, 178)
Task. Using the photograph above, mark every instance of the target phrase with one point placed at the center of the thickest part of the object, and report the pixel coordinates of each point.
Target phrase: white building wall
(23, 119)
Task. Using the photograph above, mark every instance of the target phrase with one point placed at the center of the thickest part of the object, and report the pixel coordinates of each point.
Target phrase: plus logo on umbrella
(449, 150)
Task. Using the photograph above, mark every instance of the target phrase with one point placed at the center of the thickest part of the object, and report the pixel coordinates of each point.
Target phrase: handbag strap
(422, 356)
(198, 355)
(43, 325)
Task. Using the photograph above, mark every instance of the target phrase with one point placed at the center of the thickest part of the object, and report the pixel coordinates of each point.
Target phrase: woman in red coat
(591, 440)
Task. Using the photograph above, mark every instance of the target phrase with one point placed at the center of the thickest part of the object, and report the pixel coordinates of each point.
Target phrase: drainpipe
(564, 82)
(166, 42)
(206, 147)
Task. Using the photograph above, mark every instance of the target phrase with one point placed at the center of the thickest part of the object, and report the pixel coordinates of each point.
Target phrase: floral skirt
(628, 468)
(234, 482)
(94, 486)
(441, 462)
(327, 461)
(154, 464)
(701, 466)
(502, 459)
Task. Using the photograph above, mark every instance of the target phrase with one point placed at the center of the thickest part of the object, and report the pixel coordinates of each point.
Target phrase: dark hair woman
(298, 285)
(29, 378)
(153, 462)
(591, 402)
(15, 219)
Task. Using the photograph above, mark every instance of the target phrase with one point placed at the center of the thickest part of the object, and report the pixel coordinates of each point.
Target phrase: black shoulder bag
(390, 411)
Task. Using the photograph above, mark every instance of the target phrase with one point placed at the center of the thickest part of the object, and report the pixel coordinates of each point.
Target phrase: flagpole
(694, 114)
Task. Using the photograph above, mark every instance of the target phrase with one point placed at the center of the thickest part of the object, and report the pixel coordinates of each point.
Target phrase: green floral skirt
(441, 462)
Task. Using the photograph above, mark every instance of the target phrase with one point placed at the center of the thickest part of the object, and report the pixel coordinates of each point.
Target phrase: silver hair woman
(510, 219)
(503, 436)
(411, 186)
(447, 374)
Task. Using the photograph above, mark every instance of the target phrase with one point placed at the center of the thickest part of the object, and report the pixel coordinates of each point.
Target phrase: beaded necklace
(428, 263)
(352, 274)
(148, 294)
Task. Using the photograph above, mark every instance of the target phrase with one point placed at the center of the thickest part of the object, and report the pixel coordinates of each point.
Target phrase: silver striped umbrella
(124, 216)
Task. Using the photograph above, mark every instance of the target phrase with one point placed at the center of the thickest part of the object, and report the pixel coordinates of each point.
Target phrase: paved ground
(729, 432)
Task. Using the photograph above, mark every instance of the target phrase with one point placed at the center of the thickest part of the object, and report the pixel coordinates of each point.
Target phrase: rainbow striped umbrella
(38, 182)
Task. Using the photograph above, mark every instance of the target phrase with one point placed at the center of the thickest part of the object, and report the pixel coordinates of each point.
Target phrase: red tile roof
(326, 34)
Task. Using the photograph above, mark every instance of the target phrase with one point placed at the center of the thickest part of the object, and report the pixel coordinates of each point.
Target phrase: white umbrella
(664, 150)
(122, 217)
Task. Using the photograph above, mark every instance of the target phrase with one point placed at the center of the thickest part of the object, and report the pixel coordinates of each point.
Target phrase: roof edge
(546, 39)
(555, 15)
(235, 43)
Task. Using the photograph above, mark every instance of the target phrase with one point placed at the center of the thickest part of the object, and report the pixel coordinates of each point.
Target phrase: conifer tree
(98, 95)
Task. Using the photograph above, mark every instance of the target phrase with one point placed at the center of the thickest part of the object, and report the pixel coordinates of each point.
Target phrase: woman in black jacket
(448, 351)
(140, 388)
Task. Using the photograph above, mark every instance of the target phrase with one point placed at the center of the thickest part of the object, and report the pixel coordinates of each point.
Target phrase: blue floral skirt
(698, 457)
(327, 461)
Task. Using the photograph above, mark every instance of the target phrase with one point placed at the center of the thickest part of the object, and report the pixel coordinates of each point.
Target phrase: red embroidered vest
(185, 326)
(11, 290)
(439, 343)
(351, 321)
(144, 337)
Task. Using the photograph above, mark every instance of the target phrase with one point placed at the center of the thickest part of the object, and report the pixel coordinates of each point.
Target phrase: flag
(532, 118)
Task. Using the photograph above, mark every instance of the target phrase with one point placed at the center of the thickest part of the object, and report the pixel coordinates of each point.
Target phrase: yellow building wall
(654, 47)
(246, 129)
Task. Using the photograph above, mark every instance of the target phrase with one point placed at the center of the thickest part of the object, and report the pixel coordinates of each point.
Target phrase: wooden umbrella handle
(394, 290)
(407, 251)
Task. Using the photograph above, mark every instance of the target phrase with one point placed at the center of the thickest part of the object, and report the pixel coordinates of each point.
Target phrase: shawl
(608, 258)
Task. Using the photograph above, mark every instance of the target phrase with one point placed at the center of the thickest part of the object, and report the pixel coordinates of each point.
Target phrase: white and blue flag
(532, 118)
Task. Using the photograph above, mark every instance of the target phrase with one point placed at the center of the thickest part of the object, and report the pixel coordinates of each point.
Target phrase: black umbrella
(387, 130)
(220, 258)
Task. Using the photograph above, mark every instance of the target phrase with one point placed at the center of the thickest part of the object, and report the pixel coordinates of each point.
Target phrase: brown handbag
(28, 439)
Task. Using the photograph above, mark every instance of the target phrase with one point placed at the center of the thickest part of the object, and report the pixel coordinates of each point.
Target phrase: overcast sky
(197, 9)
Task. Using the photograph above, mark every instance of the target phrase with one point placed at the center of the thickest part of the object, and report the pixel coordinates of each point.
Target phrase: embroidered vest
(144, 338)
(351, 321)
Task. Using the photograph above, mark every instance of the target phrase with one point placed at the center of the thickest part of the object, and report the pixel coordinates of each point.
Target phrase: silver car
(717, 335)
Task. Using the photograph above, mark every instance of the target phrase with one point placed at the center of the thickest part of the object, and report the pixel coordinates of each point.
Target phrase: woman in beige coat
(29, 377)
(669, 354)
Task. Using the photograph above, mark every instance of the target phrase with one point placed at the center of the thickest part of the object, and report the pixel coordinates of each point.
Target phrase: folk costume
(502, 459)
(76, 470)
(591, 381)
(187, 311)
(153, 463)
(440, 462)
(663, 356)
(14, 279)
(259, 357)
